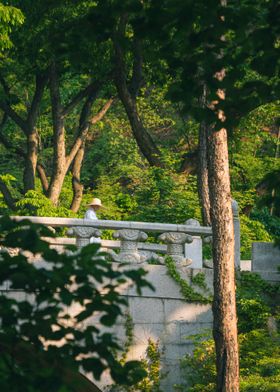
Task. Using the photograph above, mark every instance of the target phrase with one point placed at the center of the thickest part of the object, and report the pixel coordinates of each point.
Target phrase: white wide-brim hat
(96, 202)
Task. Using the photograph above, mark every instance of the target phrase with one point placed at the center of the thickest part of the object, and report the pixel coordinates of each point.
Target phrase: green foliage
(259, 364)
(50, 325)
(10, 17)
(129, 337)
(35, 203)
(256, 301)
(258, 305)
(270, 222)
(252, 230)
(187, 291)
(199, 280)
(151, 383)
(151, 364)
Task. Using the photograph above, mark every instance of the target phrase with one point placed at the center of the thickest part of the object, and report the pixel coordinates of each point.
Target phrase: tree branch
(13, 114)
(92, 88)
(9, 200)
(6, 142)
(85, 123)
(97, 117)
(43, 177)
(40, 84)
(7, 108)
(144, 140)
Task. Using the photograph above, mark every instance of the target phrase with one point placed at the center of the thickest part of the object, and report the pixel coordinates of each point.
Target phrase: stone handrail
(117, 225)
(131, 236)
(183, 242)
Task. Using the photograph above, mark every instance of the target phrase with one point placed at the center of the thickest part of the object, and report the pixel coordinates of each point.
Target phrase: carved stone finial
(83, 234)
(129, 246)
(175, 245)
(192, 222)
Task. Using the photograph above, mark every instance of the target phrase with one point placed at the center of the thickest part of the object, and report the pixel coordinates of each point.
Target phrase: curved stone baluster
(83, 235)
(129, 246)
(175, 245)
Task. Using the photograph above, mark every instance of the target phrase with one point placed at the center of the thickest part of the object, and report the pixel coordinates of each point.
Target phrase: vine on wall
(151, 363)
(186, 290)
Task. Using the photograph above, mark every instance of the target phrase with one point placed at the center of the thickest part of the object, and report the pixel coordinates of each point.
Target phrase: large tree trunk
(203, 189)
(224, 305)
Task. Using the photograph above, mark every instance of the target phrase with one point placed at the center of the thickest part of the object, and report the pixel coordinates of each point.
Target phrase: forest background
(111, 99)
(71, 129)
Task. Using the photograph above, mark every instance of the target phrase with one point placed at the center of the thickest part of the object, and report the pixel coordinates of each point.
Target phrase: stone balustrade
(183, 242)
(131, 236)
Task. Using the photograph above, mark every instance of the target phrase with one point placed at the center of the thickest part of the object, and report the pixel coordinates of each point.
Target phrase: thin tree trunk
(30, 160)
(224, 305)
(203, 189)
(9, 200)
(76, 179)
(143, 138)
(128, 96)
(43, 178)
(28, 126)
(59, 160)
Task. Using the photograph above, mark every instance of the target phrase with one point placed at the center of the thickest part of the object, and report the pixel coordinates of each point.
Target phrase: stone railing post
(236, 225)
(83, 235)
(129, 246)
(175, 245)
(193, 251)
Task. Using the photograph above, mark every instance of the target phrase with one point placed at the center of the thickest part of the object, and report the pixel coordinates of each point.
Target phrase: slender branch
(43, 177)
(84, 126)
(7, 108)
(9, 200)
(14, 116)
(143, 138)
(97, 117)
(40, 84)
(92, 88)
(8, 144)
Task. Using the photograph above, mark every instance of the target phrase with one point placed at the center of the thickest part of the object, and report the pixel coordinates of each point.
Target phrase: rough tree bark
(224, 301)
(224, 304)
(202, 177)
(128, 94)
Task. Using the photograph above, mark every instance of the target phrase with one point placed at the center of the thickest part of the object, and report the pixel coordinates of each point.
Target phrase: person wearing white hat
(93, 207)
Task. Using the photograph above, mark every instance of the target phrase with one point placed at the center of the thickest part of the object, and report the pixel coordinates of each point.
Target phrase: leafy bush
(257, 303)
(47, 333)
(251, 230)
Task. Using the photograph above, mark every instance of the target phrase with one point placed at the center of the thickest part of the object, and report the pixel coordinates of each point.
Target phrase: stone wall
(163, 315)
